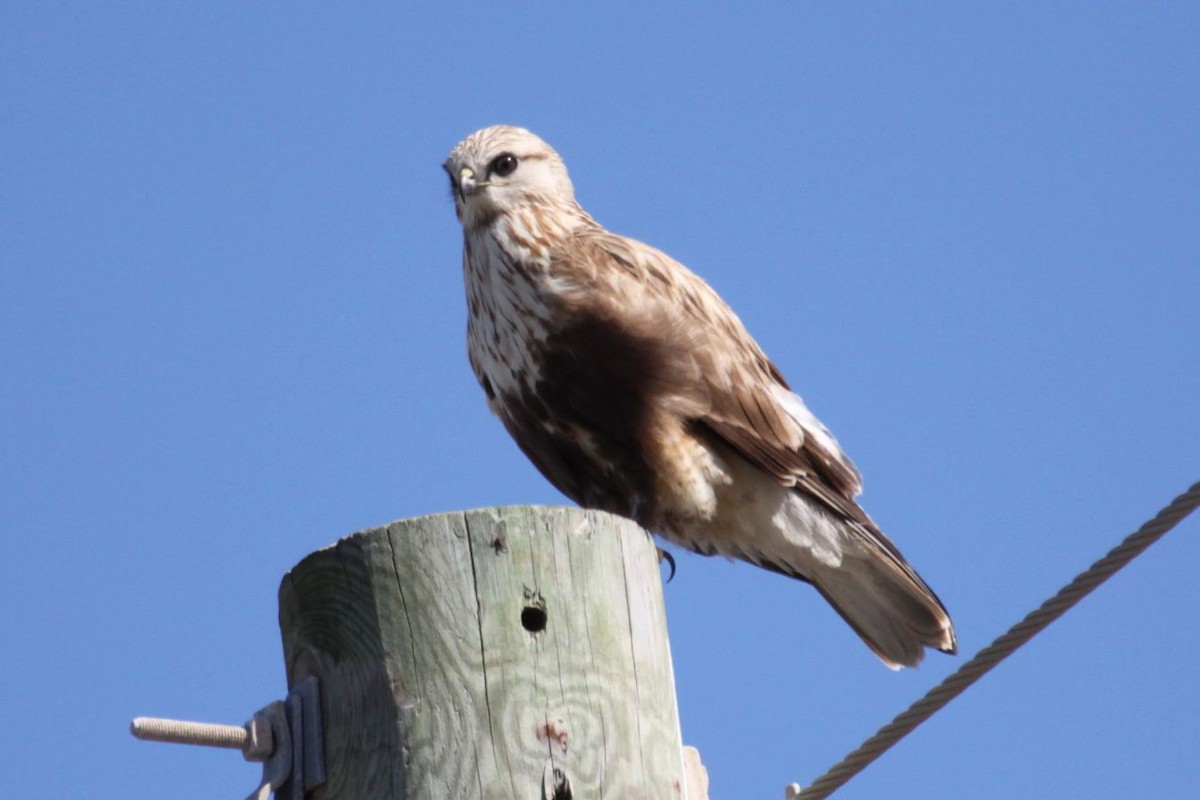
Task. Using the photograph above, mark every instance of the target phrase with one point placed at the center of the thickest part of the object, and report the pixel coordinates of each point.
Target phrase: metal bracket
(286, 736)
(278, 763)
(303, 707)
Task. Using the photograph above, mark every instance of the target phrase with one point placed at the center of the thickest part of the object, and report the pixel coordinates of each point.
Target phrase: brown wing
(723, 380)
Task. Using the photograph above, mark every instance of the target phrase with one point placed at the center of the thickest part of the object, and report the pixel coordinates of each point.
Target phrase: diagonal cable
(997, 651)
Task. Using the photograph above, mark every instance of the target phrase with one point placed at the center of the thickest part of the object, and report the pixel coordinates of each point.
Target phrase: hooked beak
(466, 181)
(467, 184)
(463, 183)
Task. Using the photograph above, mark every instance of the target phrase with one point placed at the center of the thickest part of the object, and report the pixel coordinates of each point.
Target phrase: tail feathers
(883, 599)
(894, 615)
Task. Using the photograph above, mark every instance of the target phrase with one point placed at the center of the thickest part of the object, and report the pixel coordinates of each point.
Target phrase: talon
(663, 555)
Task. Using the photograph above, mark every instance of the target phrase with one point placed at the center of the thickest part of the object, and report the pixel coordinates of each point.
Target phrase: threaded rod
(233, 737)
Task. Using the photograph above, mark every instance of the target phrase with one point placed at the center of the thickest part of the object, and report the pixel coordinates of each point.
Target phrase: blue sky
(232, 331)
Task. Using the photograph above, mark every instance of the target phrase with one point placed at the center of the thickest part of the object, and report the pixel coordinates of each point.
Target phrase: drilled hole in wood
(533, 619)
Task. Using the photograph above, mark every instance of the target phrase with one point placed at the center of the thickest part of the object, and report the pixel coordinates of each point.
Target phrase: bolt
(253, 739)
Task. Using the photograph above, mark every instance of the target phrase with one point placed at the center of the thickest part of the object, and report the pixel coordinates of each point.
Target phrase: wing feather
(731, 388)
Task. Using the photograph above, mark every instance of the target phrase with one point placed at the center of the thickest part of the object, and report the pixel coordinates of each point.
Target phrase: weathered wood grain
(498, 653)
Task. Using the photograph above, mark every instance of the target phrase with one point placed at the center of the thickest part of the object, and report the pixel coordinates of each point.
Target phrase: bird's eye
(503, 165)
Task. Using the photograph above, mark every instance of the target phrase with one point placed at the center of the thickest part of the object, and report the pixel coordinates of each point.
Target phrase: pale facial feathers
(479, 170)
(635, 389)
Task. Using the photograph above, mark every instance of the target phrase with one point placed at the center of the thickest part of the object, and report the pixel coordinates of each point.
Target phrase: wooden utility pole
(502, 653)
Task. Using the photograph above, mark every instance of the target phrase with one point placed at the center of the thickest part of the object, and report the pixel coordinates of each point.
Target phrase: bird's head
(499, 169)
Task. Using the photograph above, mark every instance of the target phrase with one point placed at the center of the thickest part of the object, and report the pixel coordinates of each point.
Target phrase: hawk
(635, 389)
